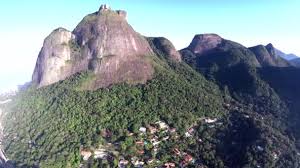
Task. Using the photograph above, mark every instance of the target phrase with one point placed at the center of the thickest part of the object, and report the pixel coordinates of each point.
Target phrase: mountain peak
(270, 45)
(103, 42)
(271, 49)
(204, 42)
(104, 7)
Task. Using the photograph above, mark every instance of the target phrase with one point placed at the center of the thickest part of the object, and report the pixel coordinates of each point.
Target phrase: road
(3, 159)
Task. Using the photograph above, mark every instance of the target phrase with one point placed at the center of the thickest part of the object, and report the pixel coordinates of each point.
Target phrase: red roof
(188, 158)
(141, 152)
(169, 165)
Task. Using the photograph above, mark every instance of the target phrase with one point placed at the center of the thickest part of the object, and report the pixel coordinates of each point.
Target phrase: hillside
(58, 119)
(236, 70)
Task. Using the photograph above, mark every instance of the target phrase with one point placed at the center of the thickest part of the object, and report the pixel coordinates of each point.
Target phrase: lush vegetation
(48, 127)
(270, 93)
(50, 124)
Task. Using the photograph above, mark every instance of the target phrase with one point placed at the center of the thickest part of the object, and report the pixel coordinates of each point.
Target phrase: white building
(143, 129)
(162, 125)
(100, 154)
(209, 120)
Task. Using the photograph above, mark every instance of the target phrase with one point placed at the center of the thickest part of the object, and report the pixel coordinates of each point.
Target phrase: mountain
(267, 56)
(231, 66)
(295, 62)
(208, 49)
(104, 43)
(106, 96)
(254, 76)
(286, 56)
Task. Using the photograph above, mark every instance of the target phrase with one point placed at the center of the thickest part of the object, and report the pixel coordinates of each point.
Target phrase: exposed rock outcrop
(208, 49)
(204, 42)
(164, 47)
(102, 42)
(52, 61)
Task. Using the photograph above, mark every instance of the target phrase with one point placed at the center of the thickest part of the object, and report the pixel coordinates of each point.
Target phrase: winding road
(3, 159)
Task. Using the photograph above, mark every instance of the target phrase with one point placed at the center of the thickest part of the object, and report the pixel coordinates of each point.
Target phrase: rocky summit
(103, 43)
(205, 42)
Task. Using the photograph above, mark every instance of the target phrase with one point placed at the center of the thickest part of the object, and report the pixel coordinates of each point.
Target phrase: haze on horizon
(25, 24)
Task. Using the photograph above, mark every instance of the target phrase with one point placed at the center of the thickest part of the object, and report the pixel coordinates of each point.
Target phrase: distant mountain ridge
(295, 62)
(288, 57)
(267, 56)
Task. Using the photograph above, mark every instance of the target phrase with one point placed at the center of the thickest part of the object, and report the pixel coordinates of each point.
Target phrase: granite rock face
(163, 46)
(53, 58)
(102, 42)
(204, 42)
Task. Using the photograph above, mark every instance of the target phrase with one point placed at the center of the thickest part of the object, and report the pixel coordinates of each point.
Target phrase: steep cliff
(104, 43)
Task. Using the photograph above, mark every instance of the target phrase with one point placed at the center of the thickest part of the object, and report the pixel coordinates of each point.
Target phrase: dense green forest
(47, 127)
(50, 124)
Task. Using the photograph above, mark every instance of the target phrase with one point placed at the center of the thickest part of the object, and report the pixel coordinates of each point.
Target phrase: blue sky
(25, 24)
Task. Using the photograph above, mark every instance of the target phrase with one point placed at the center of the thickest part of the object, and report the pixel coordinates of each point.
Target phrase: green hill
(52, 124)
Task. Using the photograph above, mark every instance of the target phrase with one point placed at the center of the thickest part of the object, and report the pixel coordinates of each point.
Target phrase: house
(211, 126)
(85, 154)
(143, 130)
(176, 151)
(150, 161)
(162, 125)
(209, 120)
(227, 105)
(155, 143)
(140, 152)
(191, 130)
(106, 133)
(188, 158)
(172, 130)
(155, 150)
(152, 130)
(187, 134)
(130, 133)
(260, 148)
(139, 142)
(165, 138)
(275, 156)
(123, 163)
(246, 116)
(138, 163)
(153, 139)
(169, 165)
(100, 154)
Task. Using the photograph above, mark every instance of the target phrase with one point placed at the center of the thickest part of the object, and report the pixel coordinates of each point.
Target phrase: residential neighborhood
(148, 147)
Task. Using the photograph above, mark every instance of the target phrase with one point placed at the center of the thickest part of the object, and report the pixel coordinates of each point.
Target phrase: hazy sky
(25, 23)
